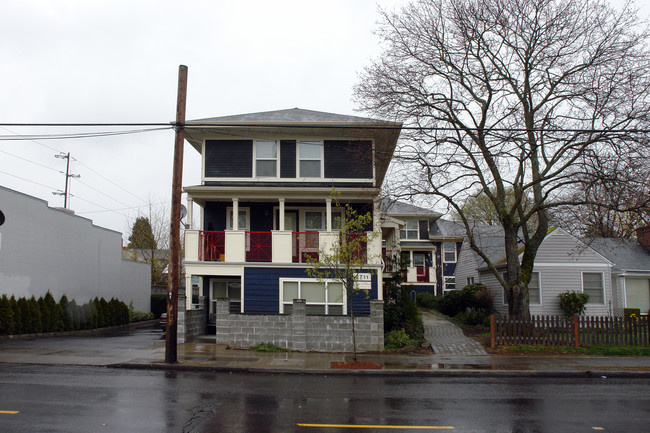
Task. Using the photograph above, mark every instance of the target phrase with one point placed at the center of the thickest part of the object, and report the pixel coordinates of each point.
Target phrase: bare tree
(499, 95)
(149, 241)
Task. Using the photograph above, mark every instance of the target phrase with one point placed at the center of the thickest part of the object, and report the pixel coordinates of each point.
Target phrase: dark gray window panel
(424, 229)
(288, 158)
(345, 159)
(229, 158)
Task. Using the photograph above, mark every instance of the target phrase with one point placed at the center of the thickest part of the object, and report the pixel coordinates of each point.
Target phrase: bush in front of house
(400, 311)
(399, 339)
(572, 302)
(427, 300)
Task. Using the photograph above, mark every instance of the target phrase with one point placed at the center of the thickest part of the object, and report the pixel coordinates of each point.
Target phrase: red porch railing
(422, 273)
(361, 246)
(259, 247)
(305, 246)
(212, 246)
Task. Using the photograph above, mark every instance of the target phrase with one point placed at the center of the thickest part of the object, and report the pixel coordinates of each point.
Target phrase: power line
(32, 162)
(70, 136)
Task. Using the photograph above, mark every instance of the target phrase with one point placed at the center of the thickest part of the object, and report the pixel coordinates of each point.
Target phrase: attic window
(449, 252)
(410, 231)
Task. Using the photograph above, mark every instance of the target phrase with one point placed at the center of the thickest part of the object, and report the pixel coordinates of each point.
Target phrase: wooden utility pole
(174, 233)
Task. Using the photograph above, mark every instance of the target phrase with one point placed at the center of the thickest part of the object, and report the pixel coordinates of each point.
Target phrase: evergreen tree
(6, 316)
(18, 317)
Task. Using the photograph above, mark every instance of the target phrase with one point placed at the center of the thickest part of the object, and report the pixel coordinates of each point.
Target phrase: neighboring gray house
(562, 263)
(630, 272)
(43, 248)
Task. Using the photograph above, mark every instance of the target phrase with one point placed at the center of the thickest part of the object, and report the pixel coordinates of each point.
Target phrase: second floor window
(266, 158)
(309, 157)
(449, 252)
(410, 231)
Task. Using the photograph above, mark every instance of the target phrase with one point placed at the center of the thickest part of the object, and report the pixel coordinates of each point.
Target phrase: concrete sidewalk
(145, 348)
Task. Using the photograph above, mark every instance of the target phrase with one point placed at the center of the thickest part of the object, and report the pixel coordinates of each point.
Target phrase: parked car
(163, 322)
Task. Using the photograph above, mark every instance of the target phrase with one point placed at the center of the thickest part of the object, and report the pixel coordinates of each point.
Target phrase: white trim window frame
(331, 303)
(337, 216)
(310, 153)
(536, 281)
(449, 283)
(590, 281)
(449, 248)
(266, 157)
(411, 230)
(244, 213)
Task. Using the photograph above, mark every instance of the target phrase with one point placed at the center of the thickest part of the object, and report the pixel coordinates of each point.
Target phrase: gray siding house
(43, 248)
(563, 263)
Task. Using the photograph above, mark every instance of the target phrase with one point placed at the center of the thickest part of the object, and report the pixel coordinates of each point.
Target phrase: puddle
(451, 367)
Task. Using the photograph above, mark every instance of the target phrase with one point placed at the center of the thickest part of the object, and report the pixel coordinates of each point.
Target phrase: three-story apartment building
(266, 207)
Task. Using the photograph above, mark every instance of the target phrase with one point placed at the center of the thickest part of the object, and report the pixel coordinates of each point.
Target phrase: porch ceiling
(201, 194)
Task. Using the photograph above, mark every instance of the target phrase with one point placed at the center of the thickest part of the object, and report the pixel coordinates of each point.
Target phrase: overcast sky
(117, 61)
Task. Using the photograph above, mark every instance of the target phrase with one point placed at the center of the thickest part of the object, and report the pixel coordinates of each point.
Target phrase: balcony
(237, 246)
(422, 274)
(305, 246)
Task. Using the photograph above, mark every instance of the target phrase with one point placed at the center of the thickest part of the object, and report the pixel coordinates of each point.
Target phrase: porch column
(235, 214)
(376, 218)
(281, 225)
(328, 215)
(188, 291)
(190, 213)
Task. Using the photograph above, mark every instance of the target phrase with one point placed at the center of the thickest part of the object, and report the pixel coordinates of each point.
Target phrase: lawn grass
(590, 350)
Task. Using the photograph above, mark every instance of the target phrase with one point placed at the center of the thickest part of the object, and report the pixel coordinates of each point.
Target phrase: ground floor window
(225, 289)
(592, 284)
(321, 298)
(450, 283)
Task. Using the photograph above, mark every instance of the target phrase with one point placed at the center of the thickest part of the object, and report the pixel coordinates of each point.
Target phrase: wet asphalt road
(94, 399)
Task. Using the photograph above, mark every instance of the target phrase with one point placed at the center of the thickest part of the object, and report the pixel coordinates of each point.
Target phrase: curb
(596, 374)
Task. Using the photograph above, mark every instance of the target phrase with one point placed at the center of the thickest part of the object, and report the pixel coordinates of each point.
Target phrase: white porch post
(328, 215)
(376, 218)
(281, 225)
(235, 214)
(190, 213)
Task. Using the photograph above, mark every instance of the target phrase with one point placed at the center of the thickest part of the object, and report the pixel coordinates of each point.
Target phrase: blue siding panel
(262, 290)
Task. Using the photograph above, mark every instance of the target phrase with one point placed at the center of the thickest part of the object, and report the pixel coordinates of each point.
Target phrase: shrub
(573, 302)
(426, 300)
(474, 317)
(628, 312)
(266, 347)
(398, 339)
(6, 316)
(400, 311)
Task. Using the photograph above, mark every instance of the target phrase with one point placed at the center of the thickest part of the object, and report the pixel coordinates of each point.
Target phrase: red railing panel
(212, 246)
(422, 274)
(259, 247)
(360, 255)
(305, 246)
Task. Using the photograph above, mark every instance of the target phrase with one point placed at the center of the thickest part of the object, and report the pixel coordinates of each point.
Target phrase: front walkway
(447, 338)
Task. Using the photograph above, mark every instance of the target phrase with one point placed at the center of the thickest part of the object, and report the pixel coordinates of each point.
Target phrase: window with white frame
(470, 280)
(310, 157)
(411, 230)
(243, 220)
(320, 298)
(315, 220)
(449, 252)
(535, 289)
(266, 158)
(450, 283)
(593, 285)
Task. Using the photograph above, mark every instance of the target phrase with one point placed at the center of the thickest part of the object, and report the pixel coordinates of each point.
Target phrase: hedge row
(30, 316)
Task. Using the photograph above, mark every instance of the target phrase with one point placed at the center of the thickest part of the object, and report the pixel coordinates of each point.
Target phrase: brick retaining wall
(191, 323)
(300, 332)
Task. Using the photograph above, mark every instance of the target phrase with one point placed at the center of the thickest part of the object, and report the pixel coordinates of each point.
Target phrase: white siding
(466, 266)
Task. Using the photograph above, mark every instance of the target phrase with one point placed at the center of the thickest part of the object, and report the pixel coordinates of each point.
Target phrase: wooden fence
(572, 331)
